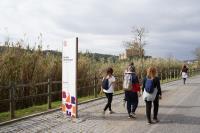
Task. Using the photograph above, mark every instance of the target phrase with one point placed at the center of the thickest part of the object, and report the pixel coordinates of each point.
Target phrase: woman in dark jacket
(151, 74)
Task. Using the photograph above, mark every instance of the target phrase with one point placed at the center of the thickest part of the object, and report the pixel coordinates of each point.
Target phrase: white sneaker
(130, 116)
(133, 114)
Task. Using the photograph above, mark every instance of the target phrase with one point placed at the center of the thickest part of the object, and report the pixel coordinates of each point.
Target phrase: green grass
(168, 80)
(4, 116)
(82, 99)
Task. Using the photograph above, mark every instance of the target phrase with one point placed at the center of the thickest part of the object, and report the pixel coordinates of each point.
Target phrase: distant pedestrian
(131, 66)
(184, 73)
(151, 93)
(132, 91)
(108, 85)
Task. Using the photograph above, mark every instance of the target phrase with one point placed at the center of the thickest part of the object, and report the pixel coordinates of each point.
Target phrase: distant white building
(190, 61)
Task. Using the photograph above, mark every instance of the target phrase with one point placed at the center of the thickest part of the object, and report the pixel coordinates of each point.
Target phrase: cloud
(102, 26)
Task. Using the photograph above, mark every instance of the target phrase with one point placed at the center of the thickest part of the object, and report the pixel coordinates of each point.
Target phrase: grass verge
(5, 116)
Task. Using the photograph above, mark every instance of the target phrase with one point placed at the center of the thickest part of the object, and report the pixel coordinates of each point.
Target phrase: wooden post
(161, 76)
(76, 77)
(170, 74)
(121, 78)
(49, 93)
(189, 73)
(174, 74)
(178, 74)
(192, 72)
(118, 83)
(12, 99)
(95, 86)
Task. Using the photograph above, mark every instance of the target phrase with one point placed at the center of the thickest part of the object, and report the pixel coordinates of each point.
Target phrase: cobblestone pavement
(178, 113)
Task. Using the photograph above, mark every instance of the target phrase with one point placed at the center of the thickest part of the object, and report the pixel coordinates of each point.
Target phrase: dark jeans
(155, 109)
(109, 97)
(132, 101)
(184, 79)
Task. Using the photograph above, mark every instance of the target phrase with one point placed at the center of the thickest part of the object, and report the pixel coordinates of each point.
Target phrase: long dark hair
(109, 71)
(184, 66)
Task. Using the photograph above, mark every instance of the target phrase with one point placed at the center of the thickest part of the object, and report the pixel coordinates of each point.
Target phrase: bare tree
(140, 36)
(138, 42)
(197, 53)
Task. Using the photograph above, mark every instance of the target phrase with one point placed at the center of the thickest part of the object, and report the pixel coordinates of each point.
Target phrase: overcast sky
(102, 25)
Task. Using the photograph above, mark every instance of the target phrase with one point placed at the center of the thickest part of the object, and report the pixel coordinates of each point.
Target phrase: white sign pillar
(69, 77)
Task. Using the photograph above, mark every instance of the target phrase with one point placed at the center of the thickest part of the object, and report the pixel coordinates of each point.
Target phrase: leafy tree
(197, 53)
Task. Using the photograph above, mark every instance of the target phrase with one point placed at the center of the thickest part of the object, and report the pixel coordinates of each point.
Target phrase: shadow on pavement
(111, 117)
(171, 106)
(179, 119)
(192, 84)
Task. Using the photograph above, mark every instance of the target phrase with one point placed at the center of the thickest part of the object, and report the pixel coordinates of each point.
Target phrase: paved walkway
(179, 113)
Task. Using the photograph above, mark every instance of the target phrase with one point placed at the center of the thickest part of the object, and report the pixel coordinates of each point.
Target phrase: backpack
(149, 86)
(129, 79)
(105, 84)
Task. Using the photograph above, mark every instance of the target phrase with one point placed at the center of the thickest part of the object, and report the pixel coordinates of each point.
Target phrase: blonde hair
(151, 72)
